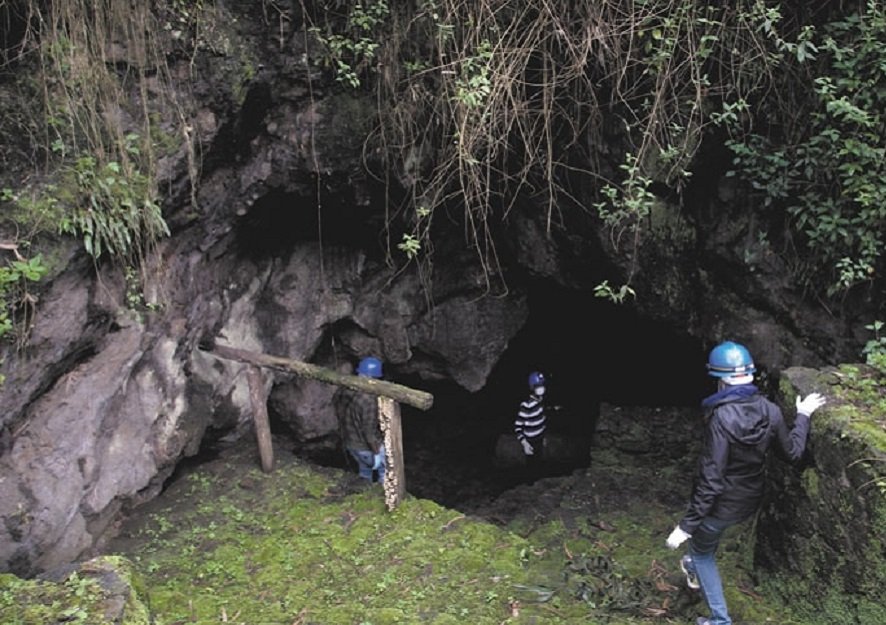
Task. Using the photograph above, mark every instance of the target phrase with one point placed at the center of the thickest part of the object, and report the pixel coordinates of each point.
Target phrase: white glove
(677, 538)
(810, 404)
(527, 448)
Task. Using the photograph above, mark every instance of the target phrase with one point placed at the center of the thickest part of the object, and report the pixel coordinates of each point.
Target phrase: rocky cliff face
(821, 536)
(278, 245)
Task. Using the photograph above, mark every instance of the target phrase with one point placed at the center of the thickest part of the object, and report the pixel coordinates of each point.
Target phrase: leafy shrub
(13, 288)
(875, 349)
(829, 171)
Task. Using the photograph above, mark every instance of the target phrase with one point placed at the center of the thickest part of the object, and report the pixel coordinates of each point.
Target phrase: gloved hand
(377, 459)
(527, 448)
(810, 404)
(677, 538)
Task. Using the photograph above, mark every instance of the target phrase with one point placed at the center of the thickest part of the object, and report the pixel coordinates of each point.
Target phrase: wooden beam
(397, 392)
(388, 393)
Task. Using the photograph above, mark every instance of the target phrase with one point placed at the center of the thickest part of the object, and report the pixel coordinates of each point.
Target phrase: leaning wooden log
(260, 417)
(397, 392)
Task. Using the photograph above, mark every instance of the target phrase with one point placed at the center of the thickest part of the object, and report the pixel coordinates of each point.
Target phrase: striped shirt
(531, 420)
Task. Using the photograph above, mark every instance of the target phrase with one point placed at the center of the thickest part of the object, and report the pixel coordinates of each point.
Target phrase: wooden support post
(395, 474)
(260, 417)
(388, 393)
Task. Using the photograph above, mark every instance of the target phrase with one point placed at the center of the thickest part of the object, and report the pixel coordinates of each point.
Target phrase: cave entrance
(593, 352)
(462, 453)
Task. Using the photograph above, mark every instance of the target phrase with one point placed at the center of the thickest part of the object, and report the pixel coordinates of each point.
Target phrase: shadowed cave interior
(591, 351)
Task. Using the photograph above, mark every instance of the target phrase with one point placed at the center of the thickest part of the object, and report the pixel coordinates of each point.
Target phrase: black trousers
(537, 459)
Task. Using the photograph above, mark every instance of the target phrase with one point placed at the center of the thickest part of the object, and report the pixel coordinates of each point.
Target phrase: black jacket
(731, 470)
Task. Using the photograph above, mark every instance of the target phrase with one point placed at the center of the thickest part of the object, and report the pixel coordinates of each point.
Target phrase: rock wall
(106, 399)
(104, 434)
(821, 536)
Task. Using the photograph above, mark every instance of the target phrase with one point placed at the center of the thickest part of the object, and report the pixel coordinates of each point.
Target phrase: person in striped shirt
(531, 421)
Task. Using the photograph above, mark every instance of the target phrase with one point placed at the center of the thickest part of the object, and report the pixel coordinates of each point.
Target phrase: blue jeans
(366, 461)
(702, 548)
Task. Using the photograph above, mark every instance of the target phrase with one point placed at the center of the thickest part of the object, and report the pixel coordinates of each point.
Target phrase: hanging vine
(94, 78)
(480, 102)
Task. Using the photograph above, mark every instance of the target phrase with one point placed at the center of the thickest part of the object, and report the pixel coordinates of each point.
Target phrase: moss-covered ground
(308, 544)
(227, 543)
(101, 591)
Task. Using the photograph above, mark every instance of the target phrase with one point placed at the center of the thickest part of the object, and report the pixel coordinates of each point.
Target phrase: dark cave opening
(460, 453)
(592, 351)
(279, 220)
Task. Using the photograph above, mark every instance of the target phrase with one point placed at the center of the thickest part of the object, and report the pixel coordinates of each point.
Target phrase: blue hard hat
(536, 378)
(730, 359)
(369, 367)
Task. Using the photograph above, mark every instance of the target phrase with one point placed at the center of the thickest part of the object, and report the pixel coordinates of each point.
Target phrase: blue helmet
(536, 378)
(730, 359)
(369, 367)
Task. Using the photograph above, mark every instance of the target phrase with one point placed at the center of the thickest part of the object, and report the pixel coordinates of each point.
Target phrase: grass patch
(307, 544)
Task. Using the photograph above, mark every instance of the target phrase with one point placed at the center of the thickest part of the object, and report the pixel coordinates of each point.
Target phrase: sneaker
(702, 621)
(691, 579)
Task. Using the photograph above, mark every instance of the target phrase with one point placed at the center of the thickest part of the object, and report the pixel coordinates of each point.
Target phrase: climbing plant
(102, 71)
(14, 290)
(102, 143)
(355, 47)
(482, 103)
(116, 212)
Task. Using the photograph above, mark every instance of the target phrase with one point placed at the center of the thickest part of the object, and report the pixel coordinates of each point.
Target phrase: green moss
(336, 559)
(163, 142)
(87, 596)
(668, 226)
(861, 393)
(311, 544)
(237, 63)
(810, 482)
(35, 210)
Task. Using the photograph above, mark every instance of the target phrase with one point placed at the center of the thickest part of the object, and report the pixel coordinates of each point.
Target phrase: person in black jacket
(742, 425)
